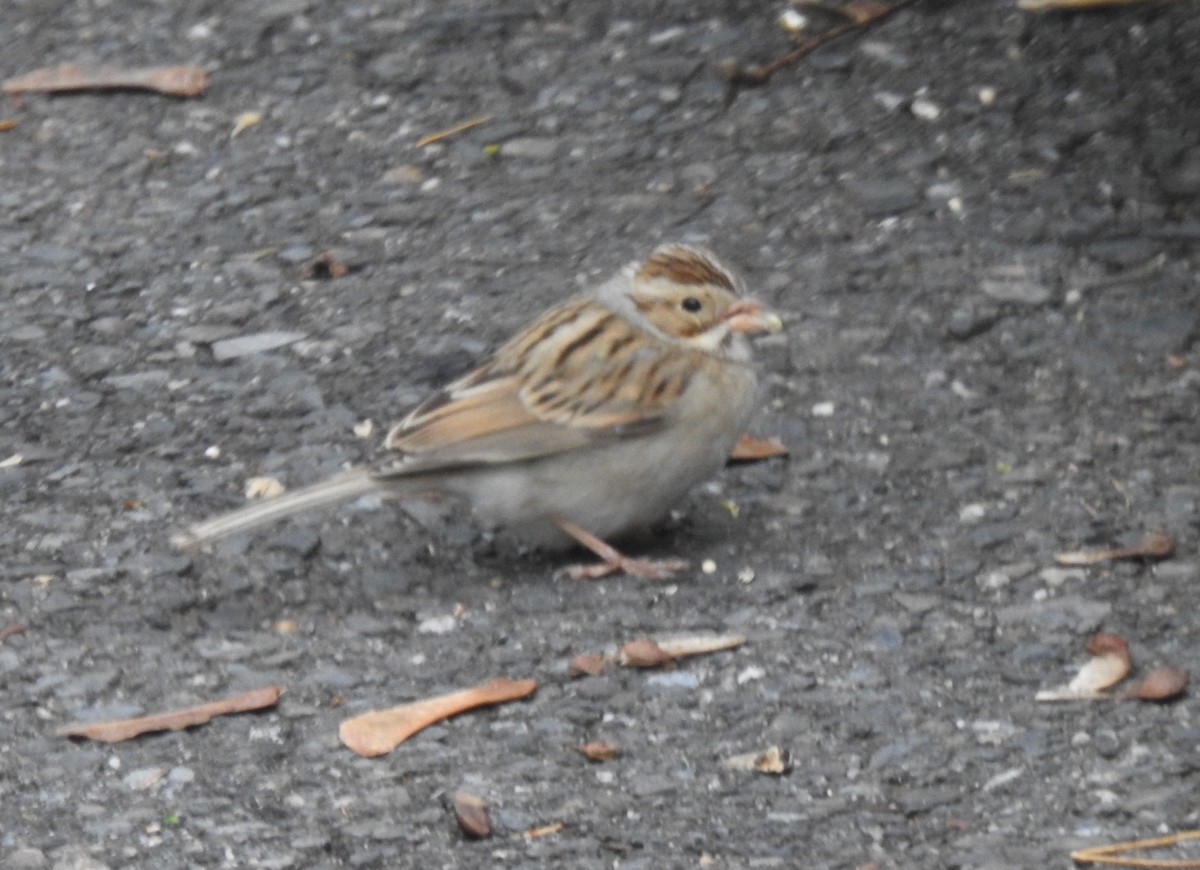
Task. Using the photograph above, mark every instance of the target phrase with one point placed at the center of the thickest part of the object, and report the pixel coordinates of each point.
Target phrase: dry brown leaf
(1108, 666)
(587, 664)
(646, 653)
(381, 731)
(471, 813)
(1162, 684)
(699, 644)
(174, 720)
(1155, 545)
(544, 830)
(9, 124)
(770, 760)
(598, 750)
(643, 653)
(1113, 855)
(177, 81)
(751, 449)
(1042, 5)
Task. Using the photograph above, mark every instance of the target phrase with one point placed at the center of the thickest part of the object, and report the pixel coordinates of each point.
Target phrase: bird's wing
(578, 375)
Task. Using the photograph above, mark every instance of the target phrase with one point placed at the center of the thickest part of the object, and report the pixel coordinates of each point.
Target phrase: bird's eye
(692, 304)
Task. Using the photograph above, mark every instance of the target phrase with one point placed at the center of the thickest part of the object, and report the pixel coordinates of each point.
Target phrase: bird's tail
(342, 487)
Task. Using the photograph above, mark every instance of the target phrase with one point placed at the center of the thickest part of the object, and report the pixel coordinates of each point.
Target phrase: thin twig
(1113, 856)
(450, 131)
(757, 75)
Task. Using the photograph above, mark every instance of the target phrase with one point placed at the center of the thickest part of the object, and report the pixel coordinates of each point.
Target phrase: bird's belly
(623, 487)
(620, 486)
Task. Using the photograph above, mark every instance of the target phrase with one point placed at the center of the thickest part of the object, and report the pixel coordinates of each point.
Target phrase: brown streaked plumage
(600, 415)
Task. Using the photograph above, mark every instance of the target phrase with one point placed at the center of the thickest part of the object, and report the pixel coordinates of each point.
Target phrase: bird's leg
(613, 561)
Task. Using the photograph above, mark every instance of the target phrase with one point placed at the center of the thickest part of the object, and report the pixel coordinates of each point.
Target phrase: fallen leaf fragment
(643, 653)
(1154, 546)
(646, 653)
(381, 731)
(145, 778)
(264, 487)
(544, 830)
(699, 644)
(9, 124)
(587, 664)
(598, 750)
(406, 174)
(751, 449)
(864, 11)
(1042, 5)
(450, 131)
(9, 630)
(471, 813)
(244, 122)
(1108, 666)
(174, 720)
(176, 81)
(1113, 854)
(1162, 684)
(770, 760)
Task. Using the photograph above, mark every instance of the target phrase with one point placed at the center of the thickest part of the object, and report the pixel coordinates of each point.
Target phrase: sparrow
(591, 422)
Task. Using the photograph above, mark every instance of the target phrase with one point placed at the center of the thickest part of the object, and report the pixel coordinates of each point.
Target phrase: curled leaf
(472, 816)
(1108, 666)
(1161, 684)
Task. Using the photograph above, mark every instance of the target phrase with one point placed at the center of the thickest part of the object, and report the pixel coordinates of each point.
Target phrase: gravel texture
(981, 227)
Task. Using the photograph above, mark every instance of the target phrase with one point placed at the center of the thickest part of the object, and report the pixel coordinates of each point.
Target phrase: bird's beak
(748, 316)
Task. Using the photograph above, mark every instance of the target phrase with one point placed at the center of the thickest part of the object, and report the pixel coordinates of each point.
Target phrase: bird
(592, 422)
